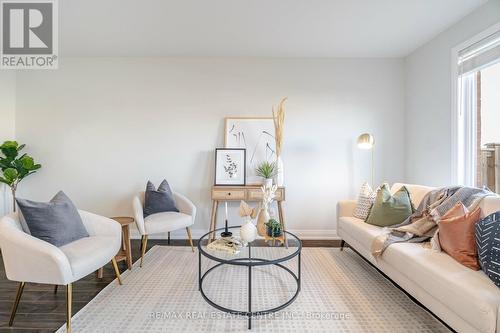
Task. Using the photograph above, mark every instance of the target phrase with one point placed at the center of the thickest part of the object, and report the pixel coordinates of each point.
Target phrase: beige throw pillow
(366, 198)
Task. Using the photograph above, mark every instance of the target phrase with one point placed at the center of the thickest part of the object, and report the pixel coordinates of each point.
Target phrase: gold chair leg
(20, 289)
(144, 245)
(188, 229)
(69, 302)
(117, 271)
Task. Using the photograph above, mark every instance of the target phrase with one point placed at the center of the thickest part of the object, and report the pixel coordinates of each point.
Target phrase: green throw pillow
(390, 209)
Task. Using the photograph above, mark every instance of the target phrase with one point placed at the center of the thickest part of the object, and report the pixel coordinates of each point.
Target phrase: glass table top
(258, 252)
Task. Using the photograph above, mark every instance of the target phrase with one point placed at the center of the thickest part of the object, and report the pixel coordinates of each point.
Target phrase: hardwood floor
(43, 311)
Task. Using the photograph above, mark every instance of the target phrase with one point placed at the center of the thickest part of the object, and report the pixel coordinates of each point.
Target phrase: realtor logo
(29, 34)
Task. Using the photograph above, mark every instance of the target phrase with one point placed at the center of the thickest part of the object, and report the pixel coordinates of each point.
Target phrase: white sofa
(467, 300)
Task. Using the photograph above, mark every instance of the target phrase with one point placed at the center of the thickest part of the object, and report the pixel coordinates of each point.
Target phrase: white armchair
(163, 222)
(28, 259)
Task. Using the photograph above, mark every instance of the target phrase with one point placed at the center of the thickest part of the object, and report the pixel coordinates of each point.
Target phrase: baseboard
(329, 234)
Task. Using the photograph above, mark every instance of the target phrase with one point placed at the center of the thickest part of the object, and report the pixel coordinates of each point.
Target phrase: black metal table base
(249, 262)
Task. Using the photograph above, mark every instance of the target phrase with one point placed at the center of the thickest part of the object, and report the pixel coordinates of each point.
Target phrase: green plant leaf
(3, 180)
(11, 175)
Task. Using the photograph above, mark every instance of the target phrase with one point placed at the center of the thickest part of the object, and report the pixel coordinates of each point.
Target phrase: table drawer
(256, 195)
(221, 194)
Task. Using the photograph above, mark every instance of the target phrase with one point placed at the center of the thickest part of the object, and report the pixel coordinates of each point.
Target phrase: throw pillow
(488, 246)
(366, 198)
(390, 209)
(159, 200)
(57, 221)
(456, 235)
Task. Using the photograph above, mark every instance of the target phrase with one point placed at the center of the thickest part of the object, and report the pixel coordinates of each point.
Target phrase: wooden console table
(245, 193)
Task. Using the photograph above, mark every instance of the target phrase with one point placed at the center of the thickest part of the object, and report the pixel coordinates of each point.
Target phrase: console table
(245, 193)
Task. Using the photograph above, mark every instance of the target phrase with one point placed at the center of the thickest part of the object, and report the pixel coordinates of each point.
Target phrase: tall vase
(262, 219)
(279, 175)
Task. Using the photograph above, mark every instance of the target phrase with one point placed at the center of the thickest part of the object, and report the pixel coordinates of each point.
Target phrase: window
(477, 112)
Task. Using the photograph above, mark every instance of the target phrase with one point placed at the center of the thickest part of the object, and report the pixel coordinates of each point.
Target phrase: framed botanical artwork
(230, 166)
(256, 135)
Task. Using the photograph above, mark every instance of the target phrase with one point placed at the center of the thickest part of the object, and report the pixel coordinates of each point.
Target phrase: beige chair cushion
(166, 221)
(90, 253)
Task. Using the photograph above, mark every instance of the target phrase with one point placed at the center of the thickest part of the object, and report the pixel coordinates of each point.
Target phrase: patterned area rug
(340, 293)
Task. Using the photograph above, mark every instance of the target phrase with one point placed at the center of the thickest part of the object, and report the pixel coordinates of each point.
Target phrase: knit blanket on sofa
(423, 224)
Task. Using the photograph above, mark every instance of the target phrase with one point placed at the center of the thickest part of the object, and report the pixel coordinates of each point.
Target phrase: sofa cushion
(469, 294)
(366, 198)
(356, 228)
(166, 221)
(456, 234)
(488, 246)
(56, 222)
(90, 253)
(390, 209)
(158, 201)
(417, 192)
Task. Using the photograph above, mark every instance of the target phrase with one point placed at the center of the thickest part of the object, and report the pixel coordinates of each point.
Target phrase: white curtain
(467, 129)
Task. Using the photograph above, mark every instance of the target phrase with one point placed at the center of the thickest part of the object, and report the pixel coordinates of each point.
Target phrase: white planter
(248, 232)
(268, 182)
(280, 179)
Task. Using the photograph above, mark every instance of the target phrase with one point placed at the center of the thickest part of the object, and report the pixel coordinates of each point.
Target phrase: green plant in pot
(268, 171)
(273, 228)
(14, 167)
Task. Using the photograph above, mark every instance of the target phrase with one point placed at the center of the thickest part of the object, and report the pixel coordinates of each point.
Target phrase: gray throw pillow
(57, 222)
(158, 201)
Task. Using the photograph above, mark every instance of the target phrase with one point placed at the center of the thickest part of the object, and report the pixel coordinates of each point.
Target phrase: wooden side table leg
(100, 273)
(126, 246)
(282, 221)
(213, 219)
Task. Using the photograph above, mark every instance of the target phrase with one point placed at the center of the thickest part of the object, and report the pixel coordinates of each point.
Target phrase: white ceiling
(248, 28)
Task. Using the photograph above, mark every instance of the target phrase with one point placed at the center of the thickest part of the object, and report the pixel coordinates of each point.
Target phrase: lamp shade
(366, 141)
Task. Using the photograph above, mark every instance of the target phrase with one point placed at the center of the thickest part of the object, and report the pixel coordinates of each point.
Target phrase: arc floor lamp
(367, 141)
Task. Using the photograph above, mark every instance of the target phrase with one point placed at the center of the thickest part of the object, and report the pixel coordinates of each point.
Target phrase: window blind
(480, 54)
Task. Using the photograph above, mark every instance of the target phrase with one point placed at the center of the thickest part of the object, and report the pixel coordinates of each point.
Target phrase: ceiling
(254, 28)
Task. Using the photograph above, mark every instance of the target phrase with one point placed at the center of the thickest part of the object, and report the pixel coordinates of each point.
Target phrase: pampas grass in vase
(279, 123)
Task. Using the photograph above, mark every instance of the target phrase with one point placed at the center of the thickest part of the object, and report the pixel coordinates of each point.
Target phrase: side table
(125, 252)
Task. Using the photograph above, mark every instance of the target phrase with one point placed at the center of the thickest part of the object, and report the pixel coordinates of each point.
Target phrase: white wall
(103, 127)
(428, 99)
(7, 126)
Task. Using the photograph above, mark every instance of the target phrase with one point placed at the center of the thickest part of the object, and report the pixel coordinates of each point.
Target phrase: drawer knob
(229, 193)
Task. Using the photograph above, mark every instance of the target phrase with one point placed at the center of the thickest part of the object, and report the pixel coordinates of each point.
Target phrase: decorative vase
(262, 219)
(248, 232)
(279, 175)
(268, 182)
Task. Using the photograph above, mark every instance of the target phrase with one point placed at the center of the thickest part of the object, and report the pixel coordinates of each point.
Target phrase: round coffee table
(275, 256)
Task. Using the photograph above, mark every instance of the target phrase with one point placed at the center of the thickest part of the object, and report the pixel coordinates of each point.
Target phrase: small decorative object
(366, 141)
(267, 171)
(279, 123)
(257, 136)
(230, 168)
(230, 245)
(15, 168)
(226, 233)
(268, 194)
(248, 231)
(273, 228)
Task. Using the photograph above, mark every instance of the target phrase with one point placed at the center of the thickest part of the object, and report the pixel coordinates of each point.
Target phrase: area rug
(340, 293)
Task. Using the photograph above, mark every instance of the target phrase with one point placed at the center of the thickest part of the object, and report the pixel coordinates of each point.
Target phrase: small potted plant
(267, 170)
(273, 228)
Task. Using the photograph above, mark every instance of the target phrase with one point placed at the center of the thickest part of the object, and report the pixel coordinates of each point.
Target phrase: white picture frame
(230, 167)
(257, 136)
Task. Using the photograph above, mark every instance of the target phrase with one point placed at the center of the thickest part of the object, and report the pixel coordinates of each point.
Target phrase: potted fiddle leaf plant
(273, 228)
(267, 170)
(14, 167)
